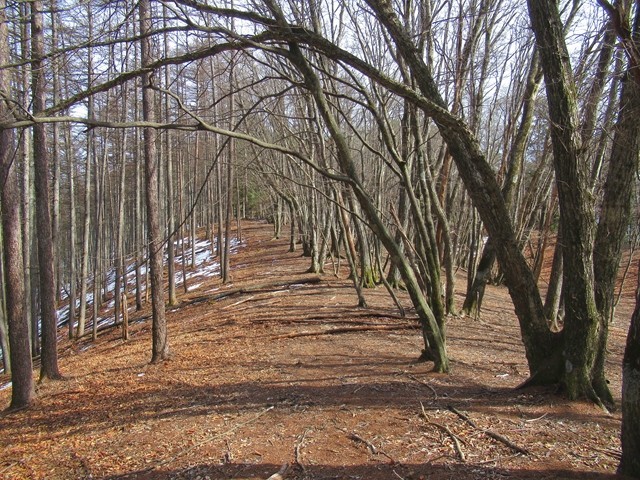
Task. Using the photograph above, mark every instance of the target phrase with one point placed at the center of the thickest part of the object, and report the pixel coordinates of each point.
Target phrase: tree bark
(22, 390)
(160, 346)
(630, 436)
(616, 208)
(583, 323)
(48, 316)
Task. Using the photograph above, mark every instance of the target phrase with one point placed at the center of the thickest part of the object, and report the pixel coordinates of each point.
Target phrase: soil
(285, 374)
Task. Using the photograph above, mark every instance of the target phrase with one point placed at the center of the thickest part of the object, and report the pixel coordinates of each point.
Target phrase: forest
(424, 174)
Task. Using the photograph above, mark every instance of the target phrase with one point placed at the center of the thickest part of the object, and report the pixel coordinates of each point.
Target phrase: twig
(370, 446)
(398, 475)
(238, 302)
(531, 420)
(297, 450)
(208, 439)
(454, 438)
(426, 384)
(8, 467)
(496, 436)
(280, 474)
(612, 453)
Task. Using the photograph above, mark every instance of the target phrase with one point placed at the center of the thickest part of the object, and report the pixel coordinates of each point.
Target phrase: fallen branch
(335, 331)
(454, 437)
(496, 436)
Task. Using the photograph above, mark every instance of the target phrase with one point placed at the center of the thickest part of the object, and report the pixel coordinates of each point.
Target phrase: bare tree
(49, 359)
(160, 346)
(22, 392)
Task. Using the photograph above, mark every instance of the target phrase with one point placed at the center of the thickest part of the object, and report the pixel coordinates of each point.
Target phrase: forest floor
(285, 370)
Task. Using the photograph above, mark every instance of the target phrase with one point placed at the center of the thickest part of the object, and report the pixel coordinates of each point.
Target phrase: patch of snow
(5, 386)
(204, 260)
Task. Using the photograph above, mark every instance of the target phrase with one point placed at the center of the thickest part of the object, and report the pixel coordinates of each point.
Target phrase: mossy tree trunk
(630, 436)
(587, 296)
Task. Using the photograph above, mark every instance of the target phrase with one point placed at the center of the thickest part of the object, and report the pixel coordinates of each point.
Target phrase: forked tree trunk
(583, 325)
(473, 298)
(617, 204)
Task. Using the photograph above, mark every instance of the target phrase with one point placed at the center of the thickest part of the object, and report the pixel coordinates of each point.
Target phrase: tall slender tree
(160, 346)
(22, 390)
(48, 316)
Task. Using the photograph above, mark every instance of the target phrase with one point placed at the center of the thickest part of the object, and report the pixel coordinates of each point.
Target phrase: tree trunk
(90, 152)
(49, 358)
(172, 300)
(100, 168)
(120, 284)
(583, 323)
(160, 346)
(55, 158)
(73, 290)
(22, 390)
(139, 218)
(481, 184)
(616, 209)
(552, 301)
(630, 436)
(434, 339)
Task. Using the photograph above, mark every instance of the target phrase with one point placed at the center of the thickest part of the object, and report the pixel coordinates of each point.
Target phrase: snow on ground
(205, 266)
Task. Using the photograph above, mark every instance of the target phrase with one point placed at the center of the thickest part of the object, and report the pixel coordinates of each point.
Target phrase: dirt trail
(258, 380)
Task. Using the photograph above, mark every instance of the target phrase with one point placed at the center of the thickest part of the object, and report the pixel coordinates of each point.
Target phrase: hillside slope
(285, 369)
